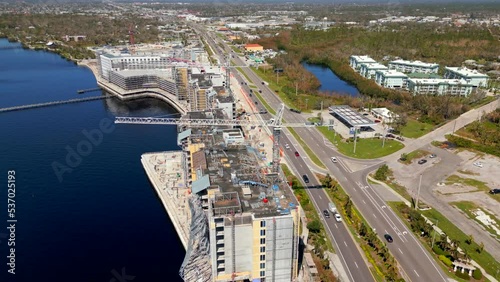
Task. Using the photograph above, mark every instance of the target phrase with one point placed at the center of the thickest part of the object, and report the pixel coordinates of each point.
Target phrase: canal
(330, 82)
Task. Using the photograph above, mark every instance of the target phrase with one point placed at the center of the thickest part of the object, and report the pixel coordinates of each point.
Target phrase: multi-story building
(413, 66)
(474, 77)
(391, 78)
(356, 61)
(368, 70)
(227, 104)
(455, 87)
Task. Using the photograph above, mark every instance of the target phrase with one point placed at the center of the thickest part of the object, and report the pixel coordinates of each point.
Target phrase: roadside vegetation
(469, 208)
(446, 246)
(306, 148)
(417, 154)
(317, 235)
(482, 135)
(376, 251)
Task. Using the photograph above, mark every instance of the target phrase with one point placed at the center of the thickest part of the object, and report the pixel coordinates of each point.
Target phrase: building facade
(455, 87)
(368, 70)
(413, 66)
(473, 77)
(391, 79)
(356, 61)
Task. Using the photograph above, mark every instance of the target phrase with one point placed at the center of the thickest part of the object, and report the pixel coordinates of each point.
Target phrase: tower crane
(275, 123)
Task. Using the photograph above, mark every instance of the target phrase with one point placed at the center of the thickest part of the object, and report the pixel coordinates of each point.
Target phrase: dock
(166, 173)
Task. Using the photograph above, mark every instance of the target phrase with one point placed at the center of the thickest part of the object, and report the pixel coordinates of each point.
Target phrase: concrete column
(463, 268)
(454, 268)
(470, 272)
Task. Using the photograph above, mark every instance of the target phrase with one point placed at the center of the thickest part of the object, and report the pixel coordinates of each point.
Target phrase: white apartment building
(368, 70)
(356, 61)
(391, 79)
(474, 77)
(455, 87)
(413, 66)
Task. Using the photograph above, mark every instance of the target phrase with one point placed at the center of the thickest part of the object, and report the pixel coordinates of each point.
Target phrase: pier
(54, 103)
(88, 90)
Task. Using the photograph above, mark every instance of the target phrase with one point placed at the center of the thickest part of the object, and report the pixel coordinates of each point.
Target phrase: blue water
(101, 218)
(330, 82)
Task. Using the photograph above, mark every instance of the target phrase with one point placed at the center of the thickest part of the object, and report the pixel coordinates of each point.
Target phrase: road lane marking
(345, 243)
(374, 216)
(416, 273)
(320, 197)
(400, 251)
(364, 202)
(356, 265)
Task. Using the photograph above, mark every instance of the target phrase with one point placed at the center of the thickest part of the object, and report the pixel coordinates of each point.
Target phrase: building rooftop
(374, 66)
(463, 71)
(439, 81)
(392, 73)
(363, 59)
(146, 72)
(225, 98)
(414, 63)
(350, 116)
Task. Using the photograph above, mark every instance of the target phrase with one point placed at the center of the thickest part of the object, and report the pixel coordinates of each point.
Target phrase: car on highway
(338, 218)
(287, 146)
(422, 161)
(306, 179)
(388, 238)
(478, 164)
(334, 159)
(495, 191)
(297, 154)
(326, 214)
(260, 91)
(263, 112)
(256, 103)
(432, 156)
(294, 110)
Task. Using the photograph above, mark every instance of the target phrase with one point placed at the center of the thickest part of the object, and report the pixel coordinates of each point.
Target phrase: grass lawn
(365, 148)
(484, 258)
(306, 148)
(452, 179)
(417, 154)
(469, 207)
(415, 129)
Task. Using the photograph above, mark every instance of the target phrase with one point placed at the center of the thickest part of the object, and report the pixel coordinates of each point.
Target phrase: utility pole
(296, 88)
(355, 137)
(306, 103)
(454, 125)
(418, 192)
(434, 236)
(277, 75)
(321, 114)
(383, 137)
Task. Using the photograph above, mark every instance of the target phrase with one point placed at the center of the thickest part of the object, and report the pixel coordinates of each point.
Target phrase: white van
(332, 207)
(334, 159)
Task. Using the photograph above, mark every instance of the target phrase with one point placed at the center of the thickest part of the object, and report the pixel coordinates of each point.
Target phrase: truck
(332, 207)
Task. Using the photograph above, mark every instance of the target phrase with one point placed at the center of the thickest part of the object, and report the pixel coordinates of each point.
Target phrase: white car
(334, 159)
(287, 146)
(478, 164)
(338, 218)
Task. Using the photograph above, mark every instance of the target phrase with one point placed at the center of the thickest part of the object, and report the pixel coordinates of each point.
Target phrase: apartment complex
(455, 87)
(413, 66)
(474, 77)
(391, 78)
(356, 61)
(368, 70)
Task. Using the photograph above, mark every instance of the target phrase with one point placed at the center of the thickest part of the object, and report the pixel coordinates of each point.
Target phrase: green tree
(348, 207)
(382, 173)
(470, 239)
(314, 226)
(480, 248)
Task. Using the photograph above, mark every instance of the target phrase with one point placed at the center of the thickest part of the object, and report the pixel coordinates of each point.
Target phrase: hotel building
(455, 87)
(413, 66)
(356, 61)
(391, 79)
(473, 77)
(368, 70)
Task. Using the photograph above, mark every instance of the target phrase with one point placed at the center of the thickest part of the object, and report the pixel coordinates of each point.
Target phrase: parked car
(377, 121)
(306, 179)
(390, 135)
(495, 191)
(432, 156)
(338, 218)
(478, 164)
(388, 238)
(297, 154)
(326, 214)
(400, 138)
(422, 161)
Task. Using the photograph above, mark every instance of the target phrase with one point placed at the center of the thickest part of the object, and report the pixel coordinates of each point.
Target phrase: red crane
(131, 34)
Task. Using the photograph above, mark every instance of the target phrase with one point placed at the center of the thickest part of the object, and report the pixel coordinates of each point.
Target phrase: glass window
(263, 224)
(262, 265)
(263, 232)
(262, 241)
(262, 273)
(262, 257)
(262, 249)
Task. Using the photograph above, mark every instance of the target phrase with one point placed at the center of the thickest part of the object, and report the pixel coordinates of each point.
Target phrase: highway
(415, 262)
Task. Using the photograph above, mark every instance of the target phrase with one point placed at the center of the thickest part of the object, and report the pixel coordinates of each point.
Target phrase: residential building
(474, 77)
(413, 66)
(384, 114)
(456, 87)
(391, 78)
(227, 104)
(253, 47)
(233, 137)
(368, 70)
(356, 61)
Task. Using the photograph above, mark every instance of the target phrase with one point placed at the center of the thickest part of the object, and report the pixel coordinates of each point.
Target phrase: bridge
(47, 104)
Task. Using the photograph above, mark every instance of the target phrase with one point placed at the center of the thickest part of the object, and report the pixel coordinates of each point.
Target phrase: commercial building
(384, 114)
(356, 61)
(413, 66)
(391, 78)
(368, 70)
(455, 87)
(253, 47)
(473, 77)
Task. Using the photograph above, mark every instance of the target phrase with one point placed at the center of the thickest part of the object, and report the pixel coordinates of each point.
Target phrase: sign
(352, 130)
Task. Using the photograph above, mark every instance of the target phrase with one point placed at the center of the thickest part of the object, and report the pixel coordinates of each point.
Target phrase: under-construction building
(252, 219)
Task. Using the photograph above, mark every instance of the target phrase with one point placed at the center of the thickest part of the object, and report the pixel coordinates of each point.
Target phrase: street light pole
(434, 236)
(418, 192)
(355, 137)
(296, 88)
(306, 103)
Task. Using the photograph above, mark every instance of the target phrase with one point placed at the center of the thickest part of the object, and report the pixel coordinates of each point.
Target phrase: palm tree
(466, 256)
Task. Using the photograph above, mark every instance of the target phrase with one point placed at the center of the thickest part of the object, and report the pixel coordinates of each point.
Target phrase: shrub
(464, 275)
(314, 226)
(445, 260)
(438, 251)
(477, 274)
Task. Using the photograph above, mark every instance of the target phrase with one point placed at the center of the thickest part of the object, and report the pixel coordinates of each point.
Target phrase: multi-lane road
(415, 262)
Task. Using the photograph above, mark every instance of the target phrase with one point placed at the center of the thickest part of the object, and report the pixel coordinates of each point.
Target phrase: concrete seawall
(165, 172)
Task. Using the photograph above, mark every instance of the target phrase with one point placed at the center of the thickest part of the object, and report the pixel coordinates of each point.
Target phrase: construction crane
(275, 123)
